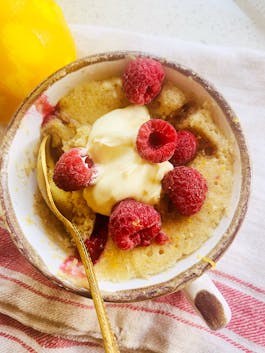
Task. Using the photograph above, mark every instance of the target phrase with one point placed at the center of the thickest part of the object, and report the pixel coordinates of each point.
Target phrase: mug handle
(207, 300)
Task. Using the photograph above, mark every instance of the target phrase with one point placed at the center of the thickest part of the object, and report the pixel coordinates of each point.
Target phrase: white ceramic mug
(17, 192)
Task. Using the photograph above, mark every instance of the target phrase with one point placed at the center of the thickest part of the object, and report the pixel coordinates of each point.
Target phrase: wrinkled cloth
(38, 316)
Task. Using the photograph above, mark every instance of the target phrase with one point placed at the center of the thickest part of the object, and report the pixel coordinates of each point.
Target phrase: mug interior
(19, 180)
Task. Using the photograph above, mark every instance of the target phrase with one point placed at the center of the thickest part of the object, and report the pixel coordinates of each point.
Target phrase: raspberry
(133, 223)
(47, 110)
(142, 80)
(156, 140)
(186, 188)
(97, 241)
(186, 148)
(74, 170)
(161, 238)
(49, 117)
(43, 106)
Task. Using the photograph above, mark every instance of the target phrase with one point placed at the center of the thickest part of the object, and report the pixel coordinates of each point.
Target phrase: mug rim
(177, 282)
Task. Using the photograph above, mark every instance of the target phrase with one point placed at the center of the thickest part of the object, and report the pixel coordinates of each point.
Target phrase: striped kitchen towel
(38, 316)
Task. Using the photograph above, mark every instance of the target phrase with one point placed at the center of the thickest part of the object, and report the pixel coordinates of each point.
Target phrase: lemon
(35, 41)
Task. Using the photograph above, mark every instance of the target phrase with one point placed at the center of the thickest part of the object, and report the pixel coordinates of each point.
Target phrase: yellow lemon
(35, 41)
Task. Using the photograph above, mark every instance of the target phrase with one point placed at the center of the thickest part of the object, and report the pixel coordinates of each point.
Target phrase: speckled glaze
(152, 288)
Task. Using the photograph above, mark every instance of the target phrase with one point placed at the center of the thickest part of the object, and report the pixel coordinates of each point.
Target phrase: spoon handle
(109, 339)
(110, 343)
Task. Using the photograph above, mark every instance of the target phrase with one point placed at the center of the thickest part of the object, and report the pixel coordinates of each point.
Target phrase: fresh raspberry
(156, 140)
(97, 241)
(186, 188)
(142, 80)
(133, 223)
(74, 170)
(186, 148)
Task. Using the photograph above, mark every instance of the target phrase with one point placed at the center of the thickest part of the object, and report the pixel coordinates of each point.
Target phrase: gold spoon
(109, 340)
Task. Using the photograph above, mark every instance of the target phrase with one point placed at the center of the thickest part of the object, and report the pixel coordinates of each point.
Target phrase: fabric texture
(38, 316)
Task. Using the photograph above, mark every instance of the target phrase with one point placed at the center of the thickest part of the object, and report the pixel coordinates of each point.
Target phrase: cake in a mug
(140, 167)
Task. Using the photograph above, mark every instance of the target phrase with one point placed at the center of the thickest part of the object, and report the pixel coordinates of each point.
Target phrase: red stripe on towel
(184, 321)
(43, 339)
(248, 314)
(239, 281)
(12, 259)
(19, 341)
(50, 297)
(243, 307)
(131, 307)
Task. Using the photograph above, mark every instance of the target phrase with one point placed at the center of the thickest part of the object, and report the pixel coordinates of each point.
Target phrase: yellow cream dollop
(122, 173)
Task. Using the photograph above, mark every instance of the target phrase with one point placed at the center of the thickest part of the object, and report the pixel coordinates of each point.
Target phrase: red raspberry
(186, 148)
(161, 238)
(97, 241)
(43, 105)
(142, 80)
(156, 140)
(74, 170)
(47, 119)
(133, 223)
(48, 111)
(186, 188)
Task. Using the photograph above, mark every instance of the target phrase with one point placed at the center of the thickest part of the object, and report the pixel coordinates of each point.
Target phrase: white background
(219, 22)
